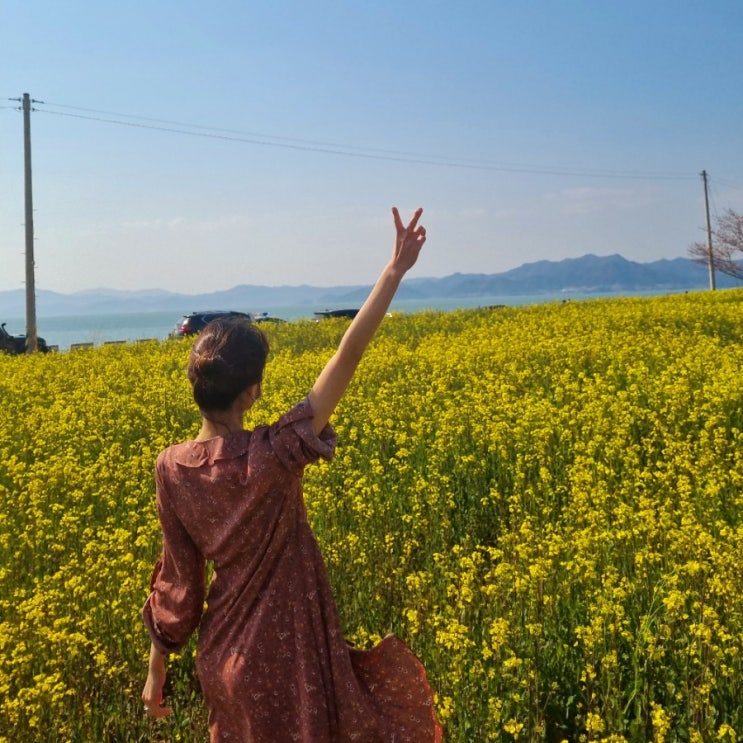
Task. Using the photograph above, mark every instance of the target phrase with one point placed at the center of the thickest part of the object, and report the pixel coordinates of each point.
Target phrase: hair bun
(209, 365)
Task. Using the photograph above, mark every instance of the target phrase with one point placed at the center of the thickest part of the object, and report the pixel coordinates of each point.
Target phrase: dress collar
(200, 453)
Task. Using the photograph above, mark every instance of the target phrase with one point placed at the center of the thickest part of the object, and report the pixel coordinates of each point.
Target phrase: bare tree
(727, 242)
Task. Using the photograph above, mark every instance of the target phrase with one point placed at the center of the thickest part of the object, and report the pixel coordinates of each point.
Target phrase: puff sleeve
(295, 444)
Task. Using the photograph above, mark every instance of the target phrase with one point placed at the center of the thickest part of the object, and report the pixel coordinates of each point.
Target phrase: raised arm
(335, 377)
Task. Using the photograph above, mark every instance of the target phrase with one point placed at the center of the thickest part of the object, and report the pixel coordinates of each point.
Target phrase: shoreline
(93, 330)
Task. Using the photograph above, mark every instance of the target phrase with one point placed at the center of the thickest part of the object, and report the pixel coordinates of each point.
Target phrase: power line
(268, 140)
(728, 184)
(232, 131)
(712, 199)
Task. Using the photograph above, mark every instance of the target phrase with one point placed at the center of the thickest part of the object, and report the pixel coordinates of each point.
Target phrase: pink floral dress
(272, 660)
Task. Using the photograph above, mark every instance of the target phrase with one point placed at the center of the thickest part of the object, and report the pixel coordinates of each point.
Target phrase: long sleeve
(177, 588)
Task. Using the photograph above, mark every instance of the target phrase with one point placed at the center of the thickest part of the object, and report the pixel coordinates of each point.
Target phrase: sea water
(65, 331)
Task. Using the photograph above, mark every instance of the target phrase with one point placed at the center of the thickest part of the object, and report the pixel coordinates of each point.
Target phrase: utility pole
(31, 333)
(710, 254)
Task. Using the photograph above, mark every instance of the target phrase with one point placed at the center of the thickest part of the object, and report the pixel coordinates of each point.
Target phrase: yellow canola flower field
(544, 502)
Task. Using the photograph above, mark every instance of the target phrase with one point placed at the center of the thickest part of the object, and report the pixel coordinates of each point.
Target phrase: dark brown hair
(227, 358)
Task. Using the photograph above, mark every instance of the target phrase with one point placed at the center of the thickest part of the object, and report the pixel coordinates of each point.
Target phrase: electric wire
(262, 135)
(713, 201)
(727, 184)
(347, 150)
(306, 145)
(344, 147)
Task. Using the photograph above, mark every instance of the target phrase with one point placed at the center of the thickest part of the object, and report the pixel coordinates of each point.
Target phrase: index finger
(398, 222)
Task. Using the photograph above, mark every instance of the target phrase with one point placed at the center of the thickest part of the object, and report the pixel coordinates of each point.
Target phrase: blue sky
(264, 143)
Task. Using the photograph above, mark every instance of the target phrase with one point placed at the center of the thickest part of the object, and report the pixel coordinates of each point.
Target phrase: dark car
(260, 317)
(195, 322)
(324, 314)
(16, 344)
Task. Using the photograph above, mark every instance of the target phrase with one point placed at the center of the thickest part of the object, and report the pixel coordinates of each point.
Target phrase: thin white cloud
(152, 224)
(577, 201)
(472, 212)
(182, 223)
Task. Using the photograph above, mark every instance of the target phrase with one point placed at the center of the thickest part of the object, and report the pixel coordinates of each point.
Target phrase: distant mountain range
(590, 274)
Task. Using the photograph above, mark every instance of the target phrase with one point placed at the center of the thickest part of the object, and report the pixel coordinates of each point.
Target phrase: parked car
(265, 317)
(195, 322)
(16, 344)
(350, 314)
